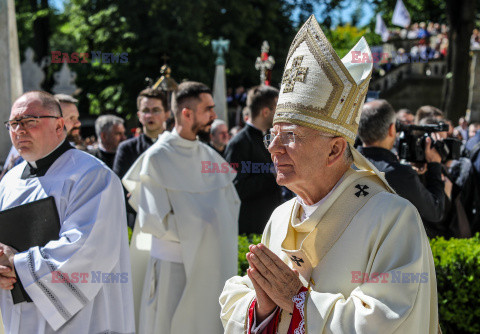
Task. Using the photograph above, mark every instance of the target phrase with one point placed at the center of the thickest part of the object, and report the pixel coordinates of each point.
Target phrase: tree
(33, 22)
(461, 17)
(180, 29)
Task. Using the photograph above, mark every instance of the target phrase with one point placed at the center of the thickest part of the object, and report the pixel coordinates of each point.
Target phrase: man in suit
(219, 136)
(255, 181)
(152, 114)
(110, 133)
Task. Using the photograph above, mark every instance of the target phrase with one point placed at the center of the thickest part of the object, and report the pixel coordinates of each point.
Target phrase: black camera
(411, 144)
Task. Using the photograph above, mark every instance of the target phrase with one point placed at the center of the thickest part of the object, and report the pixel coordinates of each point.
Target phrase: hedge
(457, 265)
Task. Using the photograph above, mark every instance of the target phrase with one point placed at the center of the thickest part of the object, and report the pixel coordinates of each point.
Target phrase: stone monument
(220, 47)
(264, 64)
(65, 81)
(32, 73)
(10, 75)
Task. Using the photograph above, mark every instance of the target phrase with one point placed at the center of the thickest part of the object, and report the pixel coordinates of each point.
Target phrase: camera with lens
(412, 141)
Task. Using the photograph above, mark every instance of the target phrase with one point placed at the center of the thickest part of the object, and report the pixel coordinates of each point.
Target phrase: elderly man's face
(36, 142)
(114, 137)
(220, 137)
(299, 162)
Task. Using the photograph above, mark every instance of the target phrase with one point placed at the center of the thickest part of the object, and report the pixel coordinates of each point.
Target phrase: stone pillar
(474, 88)
(10, 74)
(220, 93)
(219, 47)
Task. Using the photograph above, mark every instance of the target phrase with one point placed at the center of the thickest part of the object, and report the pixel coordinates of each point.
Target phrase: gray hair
(216, 123)
(347, 154)
(375, 120)
(64, 98)
(105, 123)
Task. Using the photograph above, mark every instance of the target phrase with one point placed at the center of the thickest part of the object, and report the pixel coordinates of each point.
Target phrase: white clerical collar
(309, 209)
(34, 163)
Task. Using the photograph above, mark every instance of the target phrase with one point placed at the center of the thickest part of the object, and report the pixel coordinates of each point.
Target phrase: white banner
(401, 17)
(381, 28)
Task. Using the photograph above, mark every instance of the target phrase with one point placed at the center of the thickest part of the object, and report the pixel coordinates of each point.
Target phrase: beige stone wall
(10, 75)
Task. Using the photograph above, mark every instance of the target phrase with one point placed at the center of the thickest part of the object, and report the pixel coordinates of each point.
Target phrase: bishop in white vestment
(347, 255)
(190, 218)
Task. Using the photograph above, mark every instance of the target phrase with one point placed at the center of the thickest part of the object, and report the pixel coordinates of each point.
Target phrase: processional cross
(264, 64)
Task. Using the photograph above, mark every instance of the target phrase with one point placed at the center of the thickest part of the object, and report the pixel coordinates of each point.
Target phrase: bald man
(80, 282)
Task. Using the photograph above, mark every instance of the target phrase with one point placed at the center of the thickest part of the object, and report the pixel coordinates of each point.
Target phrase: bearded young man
(191, 220)
(346, 255)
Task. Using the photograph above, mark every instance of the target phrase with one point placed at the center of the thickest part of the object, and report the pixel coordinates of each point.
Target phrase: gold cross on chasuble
(293, 74)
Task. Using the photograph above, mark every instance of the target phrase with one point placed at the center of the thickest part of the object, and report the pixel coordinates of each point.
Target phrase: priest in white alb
(347, 255)
(79, 282)
(184, 245)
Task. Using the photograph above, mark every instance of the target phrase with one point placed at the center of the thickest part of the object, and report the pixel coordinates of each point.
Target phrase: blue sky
(368, 13)
(57, 4)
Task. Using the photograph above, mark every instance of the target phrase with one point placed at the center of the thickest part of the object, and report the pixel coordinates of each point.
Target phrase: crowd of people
(295, 172)
(429, 42)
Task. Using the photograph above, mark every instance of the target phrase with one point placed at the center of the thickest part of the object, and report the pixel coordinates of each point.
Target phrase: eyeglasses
(28, 122)
(285, 138)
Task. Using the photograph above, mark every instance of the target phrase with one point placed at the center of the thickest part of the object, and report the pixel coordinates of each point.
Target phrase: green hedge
(243, 242)
(457, 265)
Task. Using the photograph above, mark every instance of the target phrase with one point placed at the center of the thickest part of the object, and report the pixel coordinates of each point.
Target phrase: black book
(29, 225)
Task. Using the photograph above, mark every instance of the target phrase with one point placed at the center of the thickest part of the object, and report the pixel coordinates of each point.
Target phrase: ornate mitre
(319, 90)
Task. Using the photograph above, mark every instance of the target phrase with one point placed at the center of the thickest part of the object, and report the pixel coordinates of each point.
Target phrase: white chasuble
(91, 252)
(185, 238)
(364, 256)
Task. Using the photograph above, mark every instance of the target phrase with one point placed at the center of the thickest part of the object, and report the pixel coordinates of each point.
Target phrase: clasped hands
(7, 271)
(275, 283)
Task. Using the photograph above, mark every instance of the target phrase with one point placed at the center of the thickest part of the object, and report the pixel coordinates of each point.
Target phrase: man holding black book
(79, 279)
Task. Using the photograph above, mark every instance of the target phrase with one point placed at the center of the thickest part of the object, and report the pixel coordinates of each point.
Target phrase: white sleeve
(258, 329)
(88, 247)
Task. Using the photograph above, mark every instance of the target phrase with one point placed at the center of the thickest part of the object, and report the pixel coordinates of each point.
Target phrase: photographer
(377, 132)
(461, 204)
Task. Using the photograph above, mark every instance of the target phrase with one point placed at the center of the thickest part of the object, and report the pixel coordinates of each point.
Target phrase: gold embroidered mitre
(319, 90)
